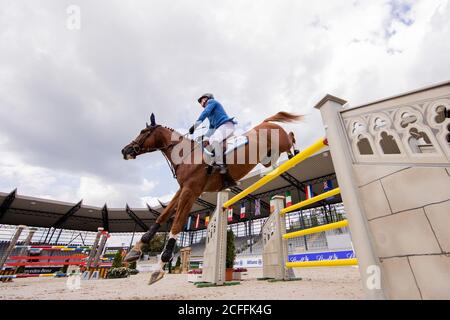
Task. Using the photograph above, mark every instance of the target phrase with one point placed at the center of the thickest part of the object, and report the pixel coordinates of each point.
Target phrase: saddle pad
(235, 142)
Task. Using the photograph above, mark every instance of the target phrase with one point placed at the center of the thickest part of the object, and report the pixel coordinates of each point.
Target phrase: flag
(288, 199)
(230, 214)
(257, 207)
(308, 191)
(188, 224)
(197, 221)
(328, 186)
(243, 210)
(206, 220)
(272, 205)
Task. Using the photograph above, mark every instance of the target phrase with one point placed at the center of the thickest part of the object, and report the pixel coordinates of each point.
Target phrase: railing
(331, 226)
(308, 152)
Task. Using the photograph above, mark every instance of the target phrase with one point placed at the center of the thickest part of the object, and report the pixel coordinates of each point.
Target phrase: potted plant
(195, 275)
(231, 255)
(117, 270)
(132, 268)
(117, 273)
(117, 262)
(237, 273)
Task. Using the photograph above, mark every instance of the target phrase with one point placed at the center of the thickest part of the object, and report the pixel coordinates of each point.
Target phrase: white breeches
(215, 140)
(221, 133)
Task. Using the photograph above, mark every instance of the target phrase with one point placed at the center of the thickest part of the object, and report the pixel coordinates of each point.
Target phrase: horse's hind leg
(136, 251)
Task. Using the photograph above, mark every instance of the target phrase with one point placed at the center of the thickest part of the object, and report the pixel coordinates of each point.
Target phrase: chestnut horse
(194, 178)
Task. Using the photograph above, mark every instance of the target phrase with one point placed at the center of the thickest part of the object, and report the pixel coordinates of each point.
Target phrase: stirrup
(222, 168)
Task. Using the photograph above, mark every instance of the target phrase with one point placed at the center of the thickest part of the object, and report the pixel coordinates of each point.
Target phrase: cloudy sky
(71, 98)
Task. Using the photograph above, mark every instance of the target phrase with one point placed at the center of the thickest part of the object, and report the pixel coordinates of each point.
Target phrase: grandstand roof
(18, 209)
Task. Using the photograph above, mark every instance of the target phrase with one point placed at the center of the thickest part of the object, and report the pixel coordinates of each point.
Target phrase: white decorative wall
(401, 168)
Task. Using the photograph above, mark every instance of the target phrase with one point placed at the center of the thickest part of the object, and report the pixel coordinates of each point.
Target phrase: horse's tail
(285, 117)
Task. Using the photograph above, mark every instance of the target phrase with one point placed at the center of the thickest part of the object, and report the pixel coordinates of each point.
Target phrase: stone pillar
(12, 245)
(214, 257)
(24, 251)
(100, 248)
(94, 248)
(275, 251)
(185, 259)
(369, 264)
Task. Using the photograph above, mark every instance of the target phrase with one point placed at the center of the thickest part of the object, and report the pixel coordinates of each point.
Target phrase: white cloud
(73, 99)
(154, 201)
(50, 184)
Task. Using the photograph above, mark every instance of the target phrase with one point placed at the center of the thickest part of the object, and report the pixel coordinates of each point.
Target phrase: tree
(117, 262)
(231, 250)
(156, 244)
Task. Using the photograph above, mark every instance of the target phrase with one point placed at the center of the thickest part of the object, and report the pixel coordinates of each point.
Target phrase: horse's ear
(146, 125)
(152, 120)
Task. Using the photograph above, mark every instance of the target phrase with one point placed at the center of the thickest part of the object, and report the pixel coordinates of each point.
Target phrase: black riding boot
(168, 250)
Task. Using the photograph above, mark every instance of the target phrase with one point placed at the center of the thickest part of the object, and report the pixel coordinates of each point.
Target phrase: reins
(173, 168)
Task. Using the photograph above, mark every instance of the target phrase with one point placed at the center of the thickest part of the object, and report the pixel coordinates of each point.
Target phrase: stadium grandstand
(60, 223)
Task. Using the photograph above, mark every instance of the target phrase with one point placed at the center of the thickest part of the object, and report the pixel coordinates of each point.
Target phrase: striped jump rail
(310, 201)
(43, 247)
(330, 226)
(319, 263)
(305, 154)
(79, 260)
(59, 249)
(52, 263)
(42, 275)
(323, 263)
(81, 256)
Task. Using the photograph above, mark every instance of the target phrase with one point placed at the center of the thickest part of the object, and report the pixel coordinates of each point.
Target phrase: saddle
(230, 144)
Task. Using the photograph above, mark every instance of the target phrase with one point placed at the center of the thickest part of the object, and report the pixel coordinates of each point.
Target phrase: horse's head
(146, 141)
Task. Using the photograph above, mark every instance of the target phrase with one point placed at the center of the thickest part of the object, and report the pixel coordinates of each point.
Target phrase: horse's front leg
(136, 252)
(187, 199)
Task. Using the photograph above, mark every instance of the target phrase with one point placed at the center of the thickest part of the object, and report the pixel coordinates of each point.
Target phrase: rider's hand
(192, 129)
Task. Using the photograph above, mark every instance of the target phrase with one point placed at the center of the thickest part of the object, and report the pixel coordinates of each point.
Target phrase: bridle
(138, 148)
(137, 145)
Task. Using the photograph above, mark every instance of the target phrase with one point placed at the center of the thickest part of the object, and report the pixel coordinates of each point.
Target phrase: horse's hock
(394, 155)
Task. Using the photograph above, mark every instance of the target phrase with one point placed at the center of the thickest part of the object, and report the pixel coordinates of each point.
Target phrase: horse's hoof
(156, 276)
(133, 255)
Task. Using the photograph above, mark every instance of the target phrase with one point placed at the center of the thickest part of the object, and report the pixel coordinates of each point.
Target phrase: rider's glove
(195, 126)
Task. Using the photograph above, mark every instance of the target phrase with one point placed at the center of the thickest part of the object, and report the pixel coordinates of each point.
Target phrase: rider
(221, 126)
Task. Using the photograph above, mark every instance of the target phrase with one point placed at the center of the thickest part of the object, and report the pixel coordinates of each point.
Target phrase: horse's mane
(175, 131)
